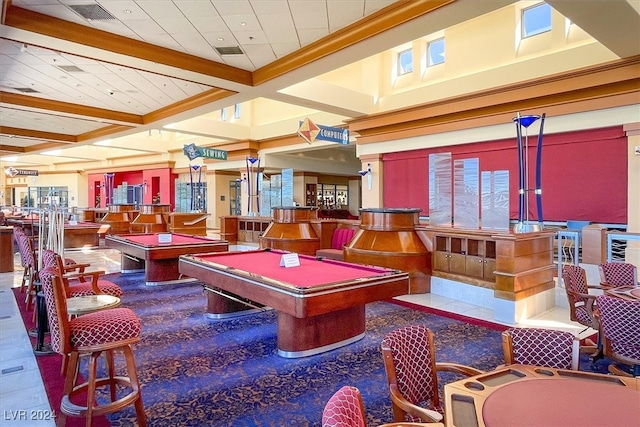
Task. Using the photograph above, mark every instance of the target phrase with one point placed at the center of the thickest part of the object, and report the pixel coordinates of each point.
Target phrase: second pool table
(159, 261)
(320, 303)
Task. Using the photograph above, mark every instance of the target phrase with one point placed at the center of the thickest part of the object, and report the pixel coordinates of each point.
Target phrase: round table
(565, 402)
(90, 303)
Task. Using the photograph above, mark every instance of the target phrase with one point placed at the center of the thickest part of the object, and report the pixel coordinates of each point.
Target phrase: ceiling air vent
(71, 68)
(25, 90)
(229, 50)
(92, 12)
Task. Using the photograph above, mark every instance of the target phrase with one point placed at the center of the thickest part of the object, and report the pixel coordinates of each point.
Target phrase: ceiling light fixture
(23, 48)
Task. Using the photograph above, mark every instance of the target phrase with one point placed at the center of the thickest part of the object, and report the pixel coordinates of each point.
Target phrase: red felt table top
(176, 239)
(311, 272)
(562, 402)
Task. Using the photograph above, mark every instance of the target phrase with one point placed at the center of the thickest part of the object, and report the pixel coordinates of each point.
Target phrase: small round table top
(90, 303)
(561, 402)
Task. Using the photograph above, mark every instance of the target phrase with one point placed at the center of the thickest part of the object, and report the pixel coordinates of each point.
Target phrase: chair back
(56, 302)
(409, 358)
(580, 306)
(620, 319)
(618, 274)
(344, 409)
(48, 258)
(541, 347)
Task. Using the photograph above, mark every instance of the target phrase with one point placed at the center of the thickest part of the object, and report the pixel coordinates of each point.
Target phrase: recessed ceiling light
(127, 11)
(220, 39)
(243, 24)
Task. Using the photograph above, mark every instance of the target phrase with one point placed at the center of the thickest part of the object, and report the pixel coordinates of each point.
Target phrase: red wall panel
(584, 174)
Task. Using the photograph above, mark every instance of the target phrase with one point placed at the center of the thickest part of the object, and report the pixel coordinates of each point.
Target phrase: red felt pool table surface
(320, 303)
(307, 275)
(159, 260)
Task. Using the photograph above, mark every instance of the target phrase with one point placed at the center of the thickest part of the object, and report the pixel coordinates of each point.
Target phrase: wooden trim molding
(604, 86)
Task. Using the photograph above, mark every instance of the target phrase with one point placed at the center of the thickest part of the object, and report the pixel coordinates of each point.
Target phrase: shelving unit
(311, 197)
(333, 195)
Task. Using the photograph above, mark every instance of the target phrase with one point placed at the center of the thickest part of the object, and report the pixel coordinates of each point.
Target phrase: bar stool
(103, 332)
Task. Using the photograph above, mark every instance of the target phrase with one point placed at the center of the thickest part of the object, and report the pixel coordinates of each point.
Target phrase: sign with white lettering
(11, 172)
(311, 132)
(192, 152)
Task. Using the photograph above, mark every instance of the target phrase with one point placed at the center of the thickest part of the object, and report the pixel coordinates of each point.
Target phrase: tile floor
(22, 394)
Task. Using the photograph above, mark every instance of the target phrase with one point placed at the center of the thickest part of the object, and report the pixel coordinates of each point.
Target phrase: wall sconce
(144, 186)
(367, 172)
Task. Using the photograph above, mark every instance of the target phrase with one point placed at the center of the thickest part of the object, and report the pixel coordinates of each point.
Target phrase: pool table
(159, 261)
(320, 303)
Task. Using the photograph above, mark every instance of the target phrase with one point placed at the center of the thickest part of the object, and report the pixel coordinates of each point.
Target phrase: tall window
(405, 62)
(536, 20)
(435, 52)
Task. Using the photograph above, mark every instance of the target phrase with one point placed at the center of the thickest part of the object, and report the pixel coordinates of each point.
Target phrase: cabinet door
(475, 266)
(489, 268)
(441, 261)
(457, 264)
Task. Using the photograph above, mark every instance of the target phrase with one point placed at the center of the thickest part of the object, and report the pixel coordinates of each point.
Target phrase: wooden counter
(388, 238)
(119, 218)
(150, 219)
(6, 254)
(514, 265)
(291, 230)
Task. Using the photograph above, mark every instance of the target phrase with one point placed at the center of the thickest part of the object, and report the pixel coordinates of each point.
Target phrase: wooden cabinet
(251, 228)
(470, 256)
(514, 265)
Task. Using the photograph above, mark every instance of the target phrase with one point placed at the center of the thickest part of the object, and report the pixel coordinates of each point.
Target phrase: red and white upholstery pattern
(78, 289)
(46, 281)
(542, 347)
(414, 366)
(105, 326)
(344, 409)
(620, 321)
(618, 274)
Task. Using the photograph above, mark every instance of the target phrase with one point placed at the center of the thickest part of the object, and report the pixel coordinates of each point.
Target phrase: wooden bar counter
(291, 230)
(388, 238)
(150, 219)
(6, 254)
(194, 223)
(119, 218)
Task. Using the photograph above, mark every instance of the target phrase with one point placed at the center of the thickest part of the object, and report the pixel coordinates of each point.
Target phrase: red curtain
(584, 174)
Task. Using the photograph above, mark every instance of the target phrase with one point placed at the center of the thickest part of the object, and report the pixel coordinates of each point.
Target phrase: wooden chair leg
(71, 368)
(132, 371)
(111, 371)
(91, 387)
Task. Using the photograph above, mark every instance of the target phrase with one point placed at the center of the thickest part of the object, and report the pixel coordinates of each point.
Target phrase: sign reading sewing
(193, 152)
(311, 132)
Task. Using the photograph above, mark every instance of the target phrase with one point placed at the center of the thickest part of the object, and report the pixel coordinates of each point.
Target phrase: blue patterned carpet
(201, 372)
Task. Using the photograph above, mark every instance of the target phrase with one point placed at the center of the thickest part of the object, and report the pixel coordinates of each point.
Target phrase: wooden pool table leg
(301, 337)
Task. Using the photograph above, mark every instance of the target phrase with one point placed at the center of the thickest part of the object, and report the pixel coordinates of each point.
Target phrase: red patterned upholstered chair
(27, 255)
(620, 320)
(615, 274)
(109, 332)
(541, 347)
(80, 282)
(344, 409)
(582, 307)
(410, 363)
(340, 237)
